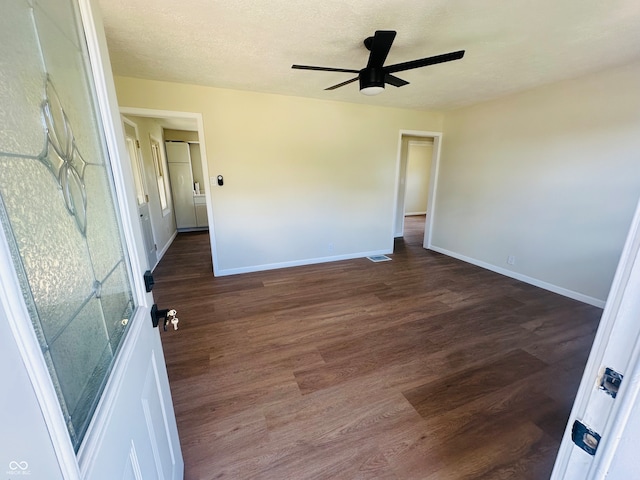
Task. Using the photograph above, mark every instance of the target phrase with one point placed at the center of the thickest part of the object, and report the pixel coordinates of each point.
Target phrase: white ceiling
(511, 45)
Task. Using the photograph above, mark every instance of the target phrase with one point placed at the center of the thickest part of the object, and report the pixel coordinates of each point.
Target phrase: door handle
(168, 315)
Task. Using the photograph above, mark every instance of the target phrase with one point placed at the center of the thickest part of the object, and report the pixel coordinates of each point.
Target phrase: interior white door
(616, 346)
(142, 195)
(69, 224)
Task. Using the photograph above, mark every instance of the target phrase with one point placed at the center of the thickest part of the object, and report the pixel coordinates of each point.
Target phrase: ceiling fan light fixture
(373, 90)
(371, 81)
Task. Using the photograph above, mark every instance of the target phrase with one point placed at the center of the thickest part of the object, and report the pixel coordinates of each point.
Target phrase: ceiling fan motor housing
(371, 77)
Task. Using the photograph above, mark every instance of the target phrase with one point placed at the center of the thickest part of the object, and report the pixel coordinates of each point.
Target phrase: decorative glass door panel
(57, 203)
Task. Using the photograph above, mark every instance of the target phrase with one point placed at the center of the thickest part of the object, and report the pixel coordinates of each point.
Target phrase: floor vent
(379, 258)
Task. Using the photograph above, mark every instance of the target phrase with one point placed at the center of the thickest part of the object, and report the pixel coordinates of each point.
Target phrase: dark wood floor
(423, 367)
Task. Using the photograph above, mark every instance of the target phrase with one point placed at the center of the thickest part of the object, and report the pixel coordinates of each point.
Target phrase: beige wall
(550, 176)
(180, 135)
(305, 180)
(164, 226)
(419, 153)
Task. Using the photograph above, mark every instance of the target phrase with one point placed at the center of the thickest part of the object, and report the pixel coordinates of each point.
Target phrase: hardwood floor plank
(451, 391)
(423, 367)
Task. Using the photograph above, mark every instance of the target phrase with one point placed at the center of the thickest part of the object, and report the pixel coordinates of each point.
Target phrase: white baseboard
(409, 214)
(164, 249)
(299, 263)
(523, 278)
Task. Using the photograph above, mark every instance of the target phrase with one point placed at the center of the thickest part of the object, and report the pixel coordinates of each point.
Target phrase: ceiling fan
(375, 75)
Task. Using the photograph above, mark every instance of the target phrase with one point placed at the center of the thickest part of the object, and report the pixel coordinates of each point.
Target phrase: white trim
(139, 166)
(165, 177)
(523, 278)
(433, 182)
(19, 321)
(621, 412)
(411, 214)
(433, 191)
(299, 263)
(148, 112)
(166, 247)
(135, 464)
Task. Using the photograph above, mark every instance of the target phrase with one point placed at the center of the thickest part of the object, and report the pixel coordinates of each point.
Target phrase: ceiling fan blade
(342, 84)
(380, 46)
(395, 81)
(324, 69)
(423, 62)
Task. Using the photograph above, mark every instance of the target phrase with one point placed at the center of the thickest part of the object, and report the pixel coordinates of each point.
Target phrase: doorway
(161, 126)
(417, 168)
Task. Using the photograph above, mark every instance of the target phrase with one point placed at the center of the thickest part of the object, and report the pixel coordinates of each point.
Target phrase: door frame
(153, 113)
(433, 181)
(12, 301)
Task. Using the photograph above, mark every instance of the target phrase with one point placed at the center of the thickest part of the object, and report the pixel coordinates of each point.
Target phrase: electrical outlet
(511, 259)
(330, 247)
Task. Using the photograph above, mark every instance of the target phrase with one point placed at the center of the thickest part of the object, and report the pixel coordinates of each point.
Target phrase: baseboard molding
(523, 278)
(164, 249)
(299, 263)
(410, 214)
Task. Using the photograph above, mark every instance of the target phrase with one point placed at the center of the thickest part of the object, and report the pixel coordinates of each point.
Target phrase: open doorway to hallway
(175, 171)
(417, 166)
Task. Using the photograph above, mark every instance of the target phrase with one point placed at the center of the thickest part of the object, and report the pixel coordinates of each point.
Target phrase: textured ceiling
(511, 45)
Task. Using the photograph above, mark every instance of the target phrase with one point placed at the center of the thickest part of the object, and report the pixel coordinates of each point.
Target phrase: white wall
(305, 180)
(164, 226)
(550, 176)
(419, 153)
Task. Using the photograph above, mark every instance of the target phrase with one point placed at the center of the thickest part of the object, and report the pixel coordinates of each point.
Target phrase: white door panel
(142, 195)
(143, 413)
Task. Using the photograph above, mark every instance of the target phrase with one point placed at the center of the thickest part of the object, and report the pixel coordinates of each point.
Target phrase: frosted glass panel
(56, 260)
(20, 76)
(75, 366)
(64, 62)
(57, 205)
(103, 222)
(116, 304)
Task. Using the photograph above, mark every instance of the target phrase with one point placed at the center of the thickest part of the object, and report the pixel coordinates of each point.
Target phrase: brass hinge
(138, 143)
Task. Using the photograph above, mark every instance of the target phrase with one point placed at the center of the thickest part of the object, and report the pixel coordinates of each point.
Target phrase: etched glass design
(57, 203)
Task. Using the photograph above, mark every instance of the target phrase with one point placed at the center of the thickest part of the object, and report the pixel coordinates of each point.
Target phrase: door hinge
(611, 381)
(585, 438)
(137, 143)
